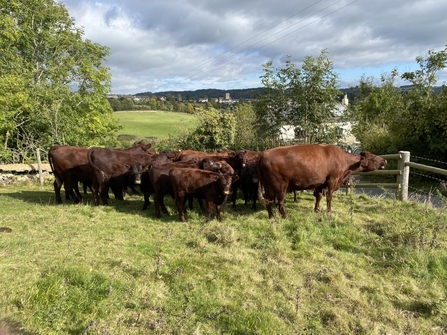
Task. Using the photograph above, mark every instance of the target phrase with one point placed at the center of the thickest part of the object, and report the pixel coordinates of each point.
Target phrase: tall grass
(373, 266)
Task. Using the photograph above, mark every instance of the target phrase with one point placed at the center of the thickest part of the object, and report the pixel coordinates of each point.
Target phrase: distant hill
(246, 93)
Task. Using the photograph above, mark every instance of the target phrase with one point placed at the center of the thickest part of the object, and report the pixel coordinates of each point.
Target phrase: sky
(180, 45)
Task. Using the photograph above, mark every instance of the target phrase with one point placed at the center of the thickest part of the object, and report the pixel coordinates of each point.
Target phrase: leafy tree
(43, 60)
(302, 98)
(374, 110)
(115, 104)
(127, 104)
(189, 108)
(423, 126)
(245, 127)
(389, 119)
(216, 131)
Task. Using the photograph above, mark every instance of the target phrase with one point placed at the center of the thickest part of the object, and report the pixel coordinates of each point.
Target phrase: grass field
(150, 124)
(373, 266)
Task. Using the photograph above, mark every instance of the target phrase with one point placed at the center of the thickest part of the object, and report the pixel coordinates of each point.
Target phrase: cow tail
(55, 174)
(261, 198)
(93, 168)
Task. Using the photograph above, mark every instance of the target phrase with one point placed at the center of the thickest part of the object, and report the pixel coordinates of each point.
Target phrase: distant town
(222, 96)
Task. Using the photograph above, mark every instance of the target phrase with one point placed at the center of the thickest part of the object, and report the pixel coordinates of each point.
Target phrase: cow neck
(353, 162)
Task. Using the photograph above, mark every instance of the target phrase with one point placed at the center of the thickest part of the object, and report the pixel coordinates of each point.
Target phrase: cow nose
(137, 182)
(226, 192)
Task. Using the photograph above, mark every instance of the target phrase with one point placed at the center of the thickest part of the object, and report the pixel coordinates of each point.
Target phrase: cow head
(136, 169)
(225, 181)
(242, 157)
(225, 168)
(210, 165)
(370, 162)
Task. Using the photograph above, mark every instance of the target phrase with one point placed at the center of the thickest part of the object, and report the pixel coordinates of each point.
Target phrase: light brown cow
(315, 167)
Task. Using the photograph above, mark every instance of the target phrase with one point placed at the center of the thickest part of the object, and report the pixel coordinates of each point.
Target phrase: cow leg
(95, 193)
(202, 208)
(218, 209)
(294, 196)
(57, 191)
(190, 200)
(209, 208)
(281, 209)
(318, 194)
(179, 201)
(76, 189)
(246, 193)
(280, 200)
(68, 185)
(104, 192)
(157, 199)
(147, 202)
(254, 198)
(329, 199)
(234, 188)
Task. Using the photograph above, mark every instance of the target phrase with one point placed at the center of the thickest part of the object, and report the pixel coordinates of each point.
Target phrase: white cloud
(184, 44)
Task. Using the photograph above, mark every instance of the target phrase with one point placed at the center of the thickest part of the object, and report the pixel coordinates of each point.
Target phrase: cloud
(176, 45)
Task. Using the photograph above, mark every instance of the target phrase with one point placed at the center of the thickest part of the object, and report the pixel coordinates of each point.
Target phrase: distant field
(154, 123)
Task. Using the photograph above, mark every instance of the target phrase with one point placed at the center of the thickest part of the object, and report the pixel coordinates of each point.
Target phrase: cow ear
(127, 166)
(235, 177)
(363, 160)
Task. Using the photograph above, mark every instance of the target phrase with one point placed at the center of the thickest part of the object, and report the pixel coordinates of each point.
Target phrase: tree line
(54, 86)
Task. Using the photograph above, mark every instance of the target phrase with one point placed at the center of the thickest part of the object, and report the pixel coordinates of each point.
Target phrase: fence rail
(402, 175)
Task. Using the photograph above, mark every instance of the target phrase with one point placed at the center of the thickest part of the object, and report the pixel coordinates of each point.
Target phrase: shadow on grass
(33, 197)
(10, 327)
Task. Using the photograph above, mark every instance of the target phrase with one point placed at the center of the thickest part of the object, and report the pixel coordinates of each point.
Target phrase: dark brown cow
(156, 181)
(315, 167)
(213, 187)
(249, 182)
(70, 166)
(249, 155)
(107, 165)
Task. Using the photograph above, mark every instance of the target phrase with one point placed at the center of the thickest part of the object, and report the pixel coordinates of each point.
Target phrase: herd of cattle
(186, 175)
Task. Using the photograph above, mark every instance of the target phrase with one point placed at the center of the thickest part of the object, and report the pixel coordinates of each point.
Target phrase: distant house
(291, 133)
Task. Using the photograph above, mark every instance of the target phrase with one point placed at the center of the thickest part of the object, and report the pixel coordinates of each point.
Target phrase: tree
(216, 131)
(423, 126)
(53, 84)
(303, 98)
(389, 119)
(245, 127)
(373, 112)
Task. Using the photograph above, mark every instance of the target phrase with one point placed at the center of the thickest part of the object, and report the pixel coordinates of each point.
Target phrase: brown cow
(212, 186)
(156, 181)
(315, 167)
(70, 166)
(249, 182)
(107, 165)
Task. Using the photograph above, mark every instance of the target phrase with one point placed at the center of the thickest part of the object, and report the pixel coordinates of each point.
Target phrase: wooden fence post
(39, 166)
(404, 177)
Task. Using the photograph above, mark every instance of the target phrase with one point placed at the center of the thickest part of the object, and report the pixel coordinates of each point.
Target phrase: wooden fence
(402, 175)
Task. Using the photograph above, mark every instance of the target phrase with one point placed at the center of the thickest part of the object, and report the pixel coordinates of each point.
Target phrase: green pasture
(155, 124)
(373, 266)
